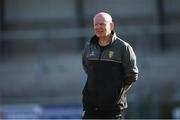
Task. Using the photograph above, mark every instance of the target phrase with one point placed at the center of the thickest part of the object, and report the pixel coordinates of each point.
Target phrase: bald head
(103, 15)
(103, 24)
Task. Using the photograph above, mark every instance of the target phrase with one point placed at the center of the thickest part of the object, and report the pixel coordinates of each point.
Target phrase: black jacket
(108, 70)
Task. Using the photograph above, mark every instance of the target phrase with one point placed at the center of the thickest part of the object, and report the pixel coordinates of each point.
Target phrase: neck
(104, 41)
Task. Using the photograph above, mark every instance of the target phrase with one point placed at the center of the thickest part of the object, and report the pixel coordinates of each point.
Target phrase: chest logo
(92, 53)
(110, 54)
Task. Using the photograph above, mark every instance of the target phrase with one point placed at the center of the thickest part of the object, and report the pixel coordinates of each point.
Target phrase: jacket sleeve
(84, 59)
(129, 64)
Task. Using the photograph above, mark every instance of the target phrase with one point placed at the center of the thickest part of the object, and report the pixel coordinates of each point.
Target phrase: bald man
(110, 65)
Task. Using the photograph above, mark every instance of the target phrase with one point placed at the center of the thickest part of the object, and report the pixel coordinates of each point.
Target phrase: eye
(95, 24)
(102, 24)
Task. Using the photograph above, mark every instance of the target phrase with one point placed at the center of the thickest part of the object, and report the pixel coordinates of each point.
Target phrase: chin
(99, 35)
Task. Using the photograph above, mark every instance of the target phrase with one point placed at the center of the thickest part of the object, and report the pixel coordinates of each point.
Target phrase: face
(102, 27)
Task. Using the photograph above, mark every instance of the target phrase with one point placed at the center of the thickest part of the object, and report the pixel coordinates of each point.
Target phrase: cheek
(108, 28)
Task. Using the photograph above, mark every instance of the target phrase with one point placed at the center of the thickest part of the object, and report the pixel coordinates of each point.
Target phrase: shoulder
(123, 45)
(117, 40)
(92, 40)
(120, 42)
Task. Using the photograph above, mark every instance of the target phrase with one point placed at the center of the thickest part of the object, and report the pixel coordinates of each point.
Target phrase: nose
(98, 26)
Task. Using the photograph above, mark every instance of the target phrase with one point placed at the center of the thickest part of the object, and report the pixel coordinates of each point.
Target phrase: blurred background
(41, 42)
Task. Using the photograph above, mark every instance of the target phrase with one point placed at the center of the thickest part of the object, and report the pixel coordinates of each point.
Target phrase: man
(110, 65)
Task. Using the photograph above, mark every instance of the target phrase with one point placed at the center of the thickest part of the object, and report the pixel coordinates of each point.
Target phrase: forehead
(100, 20)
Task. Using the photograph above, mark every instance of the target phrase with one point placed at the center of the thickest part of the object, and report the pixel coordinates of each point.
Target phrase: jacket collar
(95, 39)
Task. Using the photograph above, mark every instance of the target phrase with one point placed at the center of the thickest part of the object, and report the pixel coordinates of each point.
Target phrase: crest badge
(92, 53)
(110, 55)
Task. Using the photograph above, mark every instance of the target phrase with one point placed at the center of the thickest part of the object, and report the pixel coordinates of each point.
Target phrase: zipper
(100, 52)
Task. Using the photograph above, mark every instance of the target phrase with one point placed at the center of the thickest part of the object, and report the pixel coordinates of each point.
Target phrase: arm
(130, 67)
(84, 60)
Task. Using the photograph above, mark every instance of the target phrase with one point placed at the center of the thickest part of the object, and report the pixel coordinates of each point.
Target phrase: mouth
(99, 31)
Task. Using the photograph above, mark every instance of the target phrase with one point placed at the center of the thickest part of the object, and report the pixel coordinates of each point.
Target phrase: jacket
(108, 69)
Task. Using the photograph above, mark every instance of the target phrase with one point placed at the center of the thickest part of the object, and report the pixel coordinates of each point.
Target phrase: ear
(112, 25)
